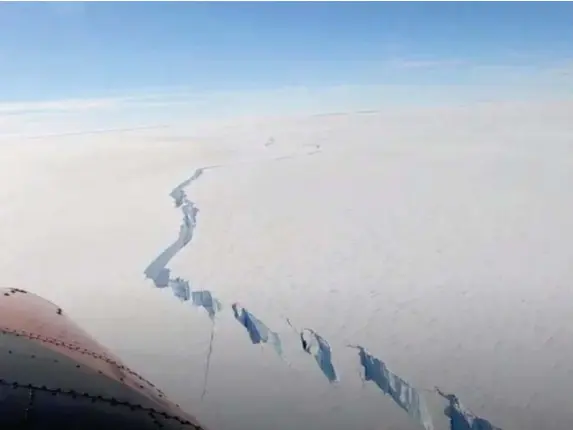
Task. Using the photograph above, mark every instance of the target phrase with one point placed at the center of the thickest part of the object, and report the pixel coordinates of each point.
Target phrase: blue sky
(407, 51)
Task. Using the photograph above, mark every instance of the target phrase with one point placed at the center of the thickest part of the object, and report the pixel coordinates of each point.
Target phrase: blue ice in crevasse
(258, 331)
(403, 394)
(315, 345)
(462, 418)
(205, 299)
(157, 270)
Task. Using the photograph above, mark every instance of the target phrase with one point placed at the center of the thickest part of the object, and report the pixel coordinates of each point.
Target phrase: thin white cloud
(405, 63)
(185, 105)
(59, 105)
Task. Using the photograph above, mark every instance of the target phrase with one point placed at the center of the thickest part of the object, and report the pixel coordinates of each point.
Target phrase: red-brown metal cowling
(54, 375)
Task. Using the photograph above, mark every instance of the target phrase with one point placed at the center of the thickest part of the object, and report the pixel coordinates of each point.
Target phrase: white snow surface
(440, 239)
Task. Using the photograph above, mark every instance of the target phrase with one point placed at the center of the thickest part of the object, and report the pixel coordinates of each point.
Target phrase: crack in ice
(375, 370)
(461, 418)
(320, 349)
(158, 271)
(257, 330)
(403, 394)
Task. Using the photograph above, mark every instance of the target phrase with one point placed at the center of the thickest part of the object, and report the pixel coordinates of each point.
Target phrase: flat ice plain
(440, 239)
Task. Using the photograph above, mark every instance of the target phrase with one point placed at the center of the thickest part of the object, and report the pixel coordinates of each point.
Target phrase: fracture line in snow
(158, 271)
(161, 275)
(375, 370)
(208, 361)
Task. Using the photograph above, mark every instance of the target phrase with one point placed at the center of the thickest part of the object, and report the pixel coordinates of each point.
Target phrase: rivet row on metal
(108, 400)
(84, 351)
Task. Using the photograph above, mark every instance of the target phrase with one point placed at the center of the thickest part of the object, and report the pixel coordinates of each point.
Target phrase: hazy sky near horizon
(113, 64)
